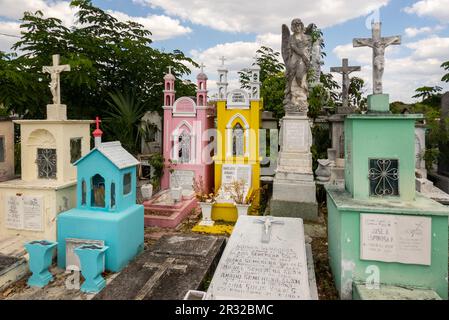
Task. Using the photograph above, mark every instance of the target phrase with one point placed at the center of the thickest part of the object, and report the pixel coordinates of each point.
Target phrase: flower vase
(41, 256)
(92, 259)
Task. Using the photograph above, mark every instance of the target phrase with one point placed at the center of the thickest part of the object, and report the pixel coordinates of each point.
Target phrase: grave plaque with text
(257, 270)
(393, 238)
(24, 213)
(182, 178)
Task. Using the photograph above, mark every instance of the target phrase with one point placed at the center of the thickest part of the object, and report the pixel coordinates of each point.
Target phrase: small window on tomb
(238, 97)
(127, 183)
(184, 148)
(46, 163)
(75, 149)
(113, 195)
(384, 177)
(83, 193)
(98, 191)
(238, 140)
(2, 149)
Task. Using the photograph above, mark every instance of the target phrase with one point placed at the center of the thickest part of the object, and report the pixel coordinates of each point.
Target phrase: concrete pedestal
(294, 189)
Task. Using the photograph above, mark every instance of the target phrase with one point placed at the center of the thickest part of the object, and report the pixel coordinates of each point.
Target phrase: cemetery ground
(57, 290)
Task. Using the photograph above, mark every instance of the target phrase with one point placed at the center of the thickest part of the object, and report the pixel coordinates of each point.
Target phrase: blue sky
(205, 30)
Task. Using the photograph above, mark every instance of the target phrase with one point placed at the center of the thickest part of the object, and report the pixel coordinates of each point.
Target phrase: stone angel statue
(298, 54)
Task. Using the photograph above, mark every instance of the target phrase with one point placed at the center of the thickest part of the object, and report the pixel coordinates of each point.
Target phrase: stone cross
(345, 70)
(222, 59)
(169, 69)
(267, 225)
(202, 66)
(161, 269)
(378, 44)
(55, 71)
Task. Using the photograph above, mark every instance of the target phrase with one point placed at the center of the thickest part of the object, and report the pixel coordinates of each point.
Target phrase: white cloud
(9, 31)
(162, 27)
(264, 16)
(438, 9)
(14, 9)
(403, 74)
(414, 32)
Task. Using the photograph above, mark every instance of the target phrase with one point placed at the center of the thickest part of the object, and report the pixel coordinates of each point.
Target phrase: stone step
(388, 292)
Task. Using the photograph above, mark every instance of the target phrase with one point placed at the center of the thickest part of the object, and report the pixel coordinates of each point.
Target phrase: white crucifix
(345, 70)
(55, 73)
(378, 44)
(222, 59)
(169, 69)
(267, 225)
(202, 66)
(169, 264)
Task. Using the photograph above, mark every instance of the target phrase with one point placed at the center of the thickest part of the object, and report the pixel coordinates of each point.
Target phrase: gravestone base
(57, 112)
(12, 269)
(294, 189)
(387, 238)
(303, 210)
(385, 292)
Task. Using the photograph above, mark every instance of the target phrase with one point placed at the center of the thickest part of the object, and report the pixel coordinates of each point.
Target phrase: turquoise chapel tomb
(382, 233)
(106, 212)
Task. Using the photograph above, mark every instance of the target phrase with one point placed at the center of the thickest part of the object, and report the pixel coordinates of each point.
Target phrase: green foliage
(445, 66)
(426, 93)
(124, 119)
(157, 162)
(356, 92)
(105, 56)
(322, 142)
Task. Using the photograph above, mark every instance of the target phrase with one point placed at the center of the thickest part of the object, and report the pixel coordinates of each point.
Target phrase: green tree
(426, 93)
(356, 92)
(105, 56)
(445, 66)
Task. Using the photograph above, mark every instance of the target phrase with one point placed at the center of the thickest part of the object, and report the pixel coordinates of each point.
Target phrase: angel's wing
(285, 43)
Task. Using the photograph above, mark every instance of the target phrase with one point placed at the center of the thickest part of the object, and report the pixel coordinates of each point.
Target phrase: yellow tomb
(237, 157)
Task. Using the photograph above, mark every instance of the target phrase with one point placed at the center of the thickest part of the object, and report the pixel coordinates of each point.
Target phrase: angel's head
(297, 26)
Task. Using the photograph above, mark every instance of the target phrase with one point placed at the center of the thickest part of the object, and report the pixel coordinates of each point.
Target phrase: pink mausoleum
(187, 125)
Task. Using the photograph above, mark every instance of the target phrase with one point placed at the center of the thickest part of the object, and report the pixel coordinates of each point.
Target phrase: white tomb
(265, 259)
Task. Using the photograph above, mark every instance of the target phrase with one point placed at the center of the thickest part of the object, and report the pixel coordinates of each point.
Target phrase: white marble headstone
(394, 238)
(183, 179)
(252, 270)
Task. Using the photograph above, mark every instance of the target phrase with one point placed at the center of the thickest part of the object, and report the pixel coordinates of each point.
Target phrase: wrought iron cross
(378, 44)
(55, 72)
(169, 264)
(345, 70)
(267, 225)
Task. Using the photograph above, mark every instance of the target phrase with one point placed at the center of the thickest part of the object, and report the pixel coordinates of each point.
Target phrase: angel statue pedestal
(294, 189)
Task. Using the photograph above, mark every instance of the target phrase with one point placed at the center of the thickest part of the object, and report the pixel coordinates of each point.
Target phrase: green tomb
(382, 233)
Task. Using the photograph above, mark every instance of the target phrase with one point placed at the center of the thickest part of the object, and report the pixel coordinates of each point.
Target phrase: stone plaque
(296, 135)
(251, 269)
(182, 178)
(236, 172)
(394, 238)
(24, 213)
(168, 270)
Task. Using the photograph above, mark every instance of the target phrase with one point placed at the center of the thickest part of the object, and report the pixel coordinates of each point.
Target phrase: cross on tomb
(169, 69)
(378, 44)
(202, 66)
(168, 265)
(55, 72)
(223, 59)
(267, 225)
(345, 70)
